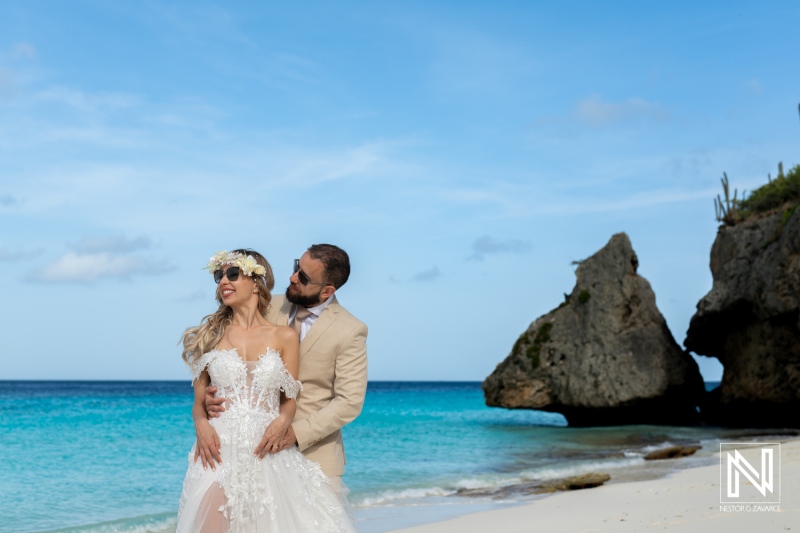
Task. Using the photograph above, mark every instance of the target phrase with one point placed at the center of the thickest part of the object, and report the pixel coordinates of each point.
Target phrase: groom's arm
(349, 388)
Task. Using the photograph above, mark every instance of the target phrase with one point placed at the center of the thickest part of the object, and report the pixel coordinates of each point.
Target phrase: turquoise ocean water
(111, 456)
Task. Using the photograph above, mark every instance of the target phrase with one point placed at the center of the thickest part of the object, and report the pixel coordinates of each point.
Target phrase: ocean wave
(660, 446)
(546, 474)
(403, 496)
(159, 523)
(491, 482)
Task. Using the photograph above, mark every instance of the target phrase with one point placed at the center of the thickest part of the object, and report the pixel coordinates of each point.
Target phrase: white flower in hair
(247, 264)
(250, 266)
(220, 259)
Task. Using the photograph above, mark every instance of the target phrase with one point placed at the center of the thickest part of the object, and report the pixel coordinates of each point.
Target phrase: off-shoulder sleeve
(198, 365)
(272, 374)
(290, 386)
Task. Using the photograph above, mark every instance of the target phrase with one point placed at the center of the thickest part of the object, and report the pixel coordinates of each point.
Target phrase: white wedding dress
(281, 493)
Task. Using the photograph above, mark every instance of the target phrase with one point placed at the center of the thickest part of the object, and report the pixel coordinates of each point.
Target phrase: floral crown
(247, 263)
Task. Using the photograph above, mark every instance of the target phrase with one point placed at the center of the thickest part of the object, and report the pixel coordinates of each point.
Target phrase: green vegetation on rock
(777, 193)
(788, 214)
(784, 188)
(542, 336)
(523, 339)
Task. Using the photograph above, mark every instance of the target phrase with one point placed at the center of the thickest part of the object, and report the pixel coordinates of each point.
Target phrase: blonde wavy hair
(203, 338)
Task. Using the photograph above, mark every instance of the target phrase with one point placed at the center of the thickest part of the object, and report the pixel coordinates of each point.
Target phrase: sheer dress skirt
(281, 493)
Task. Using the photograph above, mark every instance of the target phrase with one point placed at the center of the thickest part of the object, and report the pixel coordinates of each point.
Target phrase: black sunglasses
(302, 275)
(232, 274)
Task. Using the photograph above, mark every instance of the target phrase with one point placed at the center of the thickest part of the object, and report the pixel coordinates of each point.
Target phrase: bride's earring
(255, 291)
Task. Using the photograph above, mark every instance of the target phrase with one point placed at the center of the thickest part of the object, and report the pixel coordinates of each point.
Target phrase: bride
(237, 481)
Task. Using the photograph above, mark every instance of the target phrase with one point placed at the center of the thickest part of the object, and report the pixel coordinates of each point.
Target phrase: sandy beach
(687, 501)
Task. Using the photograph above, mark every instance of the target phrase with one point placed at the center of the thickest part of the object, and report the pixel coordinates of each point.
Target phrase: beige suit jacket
(333, 371)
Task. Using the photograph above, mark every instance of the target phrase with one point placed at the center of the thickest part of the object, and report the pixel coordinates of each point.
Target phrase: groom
(333, 357)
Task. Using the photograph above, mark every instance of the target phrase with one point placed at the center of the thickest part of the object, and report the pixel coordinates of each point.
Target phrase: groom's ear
(327, 292)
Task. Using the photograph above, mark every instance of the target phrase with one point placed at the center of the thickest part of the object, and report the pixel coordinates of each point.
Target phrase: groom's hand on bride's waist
(289, 440)
(214, 405)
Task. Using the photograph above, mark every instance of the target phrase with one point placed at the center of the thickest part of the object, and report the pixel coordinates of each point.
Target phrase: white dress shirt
(310, 319)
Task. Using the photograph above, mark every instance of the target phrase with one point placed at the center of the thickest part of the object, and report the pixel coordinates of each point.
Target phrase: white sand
(685, 502)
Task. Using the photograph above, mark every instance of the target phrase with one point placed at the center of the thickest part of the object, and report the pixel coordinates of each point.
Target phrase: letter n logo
(741, 481)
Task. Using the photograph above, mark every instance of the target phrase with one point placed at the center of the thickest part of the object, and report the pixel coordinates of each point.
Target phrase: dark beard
(304, 301)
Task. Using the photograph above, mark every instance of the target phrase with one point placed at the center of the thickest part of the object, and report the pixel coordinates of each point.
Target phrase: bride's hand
(273, 435)
(207, 448)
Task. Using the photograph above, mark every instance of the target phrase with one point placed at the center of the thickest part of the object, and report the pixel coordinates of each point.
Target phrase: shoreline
(686, 500)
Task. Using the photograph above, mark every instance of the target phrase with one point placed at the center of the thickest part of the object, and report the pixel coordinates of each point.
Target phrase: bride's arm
(273, 435)
(207, 448)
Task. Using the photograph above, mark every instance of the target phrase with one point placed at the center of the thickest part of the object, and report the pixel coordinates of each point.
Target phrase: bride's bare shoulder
(282, 334)
(287, 334)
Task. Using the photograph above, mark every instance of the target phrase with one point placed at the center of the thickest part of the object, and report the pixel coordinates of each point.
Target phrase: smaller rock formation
(750, 321)
(673, 452)
(603, 357)
(583, 481)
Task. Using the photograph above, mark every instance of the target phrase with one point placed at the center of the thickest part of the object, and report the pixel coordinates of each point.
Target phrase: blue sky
(464, 153)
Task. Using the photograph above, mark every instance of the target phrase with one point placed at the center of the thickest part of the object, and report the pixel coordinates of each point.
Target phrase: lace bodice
(252, 392)
(248, 385)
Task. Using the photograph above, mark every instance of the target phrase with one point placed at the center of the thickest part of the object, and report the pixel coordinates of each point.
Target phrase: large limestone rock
(603, 357)
(750, 321)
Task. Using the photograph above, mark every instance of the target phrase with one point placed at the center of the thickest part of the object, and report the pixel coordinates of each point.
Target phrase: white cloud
(503, 200)
(103, 257)
(359, 161)
(8, 85)
(594, 111)
(468, 61)
(634, 201)
(7, 200)
(86, 268)
(754, 86)
(431, 274)
(9, 256)
(195, 297)
(486, 245)
(23, 51)
(88, 102)
(111, 243)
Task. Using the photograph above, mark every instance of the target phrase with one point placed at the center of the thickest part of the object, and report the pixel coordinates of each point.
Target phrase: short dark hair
(335, 260)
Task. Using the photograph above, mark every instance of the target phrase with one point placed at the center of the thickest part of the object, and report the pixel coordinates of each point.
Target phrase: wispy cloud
(754, 86)
(639, 200)
(431, 274)
(594, 111)
(634, 201)
(74, 267)
(23, 51)
(195, 297)
(87, 102)
(487, 245)
(8, 85)
(361, 160)
(7, 200)
(469, 61)
(12, 256)
(112, 244)
(14, 72)
(97, 258)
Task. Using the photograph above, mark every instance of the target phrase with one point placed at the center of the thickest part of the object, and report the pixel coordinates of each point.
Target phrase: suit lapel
(282, 317)
(324, 321)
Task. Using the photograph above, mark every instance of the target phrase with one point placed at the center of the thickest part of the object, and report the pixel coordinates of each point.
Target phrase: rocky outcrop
(583, 481)
(750, 321)
(672, 452)
(603, 357)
